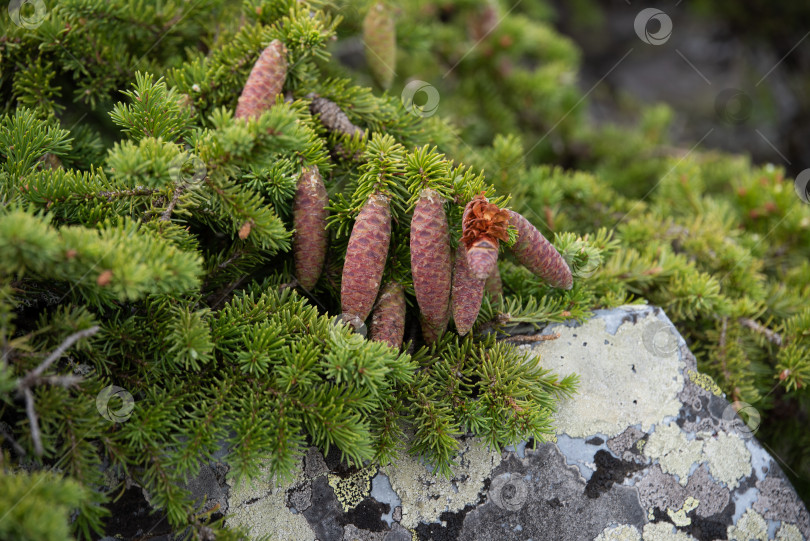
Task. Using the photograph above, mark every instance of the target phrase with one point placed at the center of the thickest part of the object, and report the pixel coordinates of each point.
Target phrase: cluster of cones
(443, 287)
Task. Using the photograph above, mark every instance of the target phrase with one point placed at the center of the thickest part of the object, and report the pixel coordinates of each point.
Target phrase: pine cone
(264, 82)
(309, 220)
(537, 254)
(388, 319)
(482, 224)
(430, 263)
(493, 285)
(379, 36)
(365, 257)
(332, 116)
(468, 291)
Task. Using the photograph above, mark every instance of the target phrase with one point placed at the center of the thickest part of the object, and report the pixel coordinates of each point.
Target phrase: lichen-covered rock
(648, 450)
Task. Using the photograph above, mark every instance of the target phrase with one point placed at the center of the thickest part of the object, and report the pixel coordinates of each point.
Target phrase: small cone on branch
(264, 83)
(493, 285)
(365, 257)
(379, 36)
(483, 225)
(537, 254)
(332, 116)
(430, 263)
(309, 219)
(388, 318)
(468, 291)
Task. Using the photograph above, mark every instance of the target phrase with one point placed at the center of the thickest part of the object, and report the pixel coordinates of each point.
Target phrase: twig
(32, 420)
(14, 445)
(527, 339)
(167, 214)
(62, 381)
(772, 336)
(721, 346)
(227, 291)
(34, 374)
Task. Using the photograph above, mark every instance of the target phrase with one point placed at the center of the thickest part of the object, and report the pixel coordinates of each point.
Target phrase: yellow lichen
(679, 517)
(705, 381)
(351, 490)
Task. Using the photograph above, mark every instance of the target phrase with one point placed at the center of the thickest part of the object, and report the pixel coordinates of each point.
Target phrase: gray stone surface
(647, 450)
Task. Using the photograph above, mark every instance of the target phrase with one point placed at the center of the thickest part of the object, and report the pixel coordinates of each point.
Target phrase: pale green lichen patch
(750, 526)
(425, 496)
(620, 386)
(675, 453)
(705, 381)
(261, 509)
(788, 532)
(728, 458)
(726, 455)
(623, 532)
(353, 489)
(679, 517)
(664, 531)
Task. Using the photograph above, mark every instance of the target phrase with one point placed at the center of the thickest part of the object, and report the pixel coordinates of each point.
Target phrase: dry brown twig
(531, 338)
